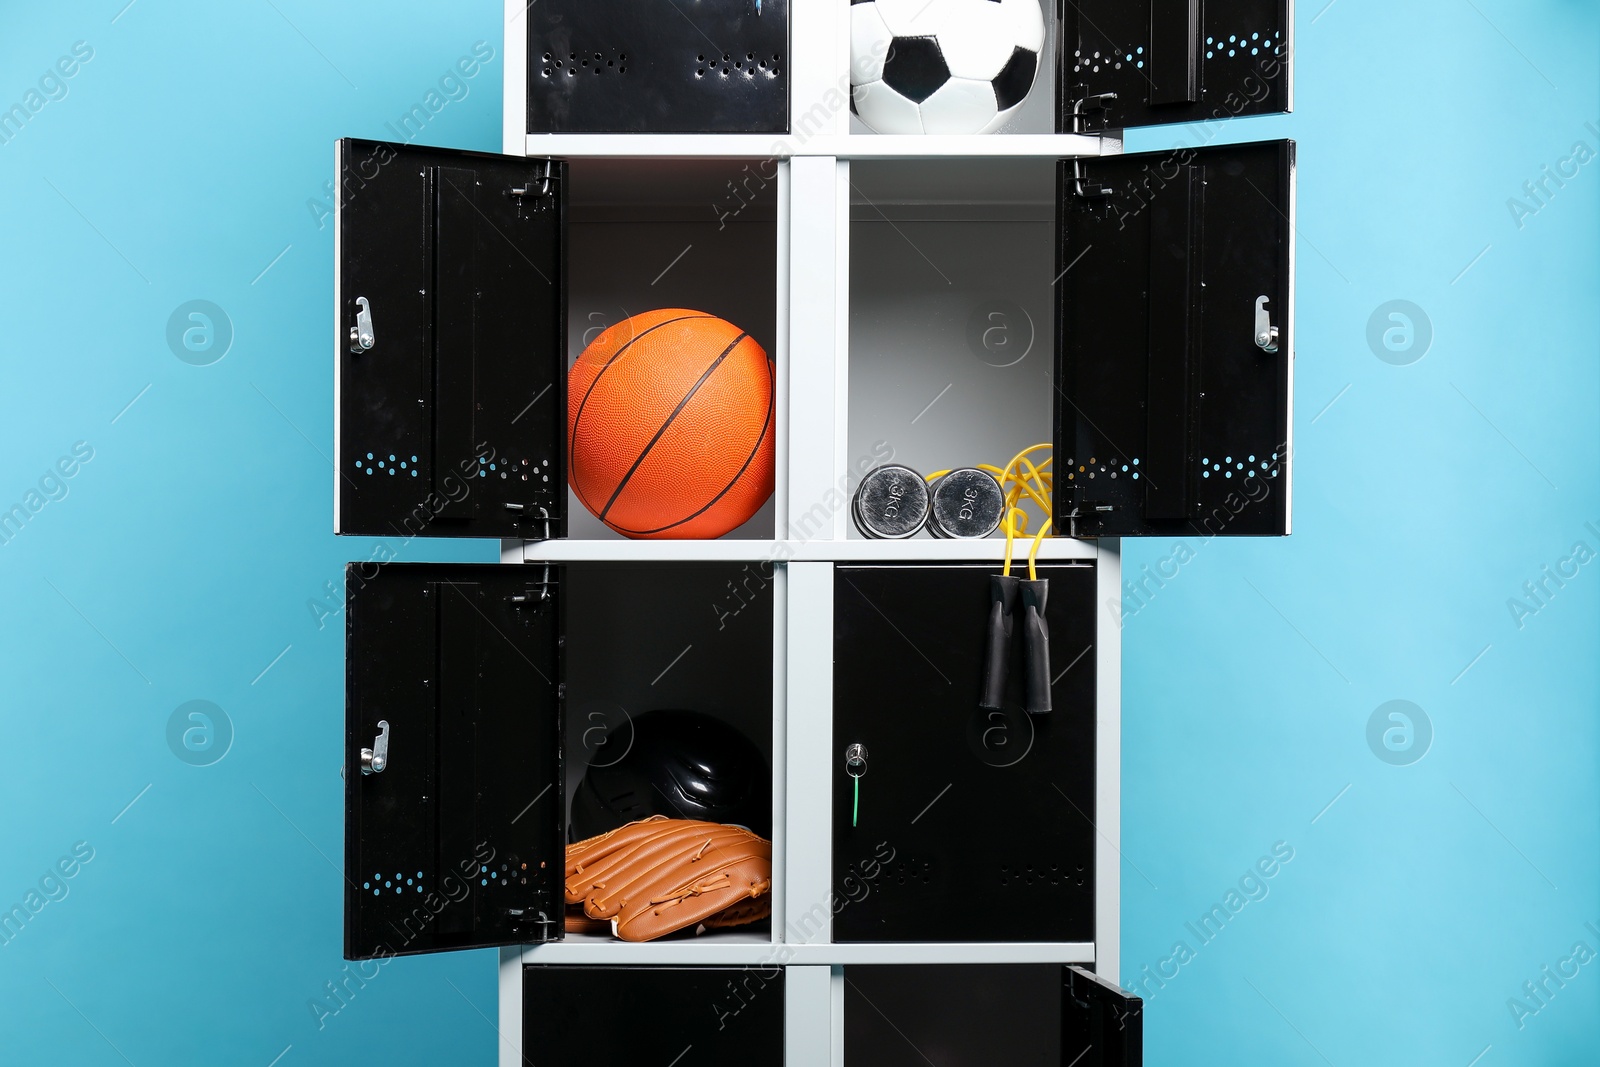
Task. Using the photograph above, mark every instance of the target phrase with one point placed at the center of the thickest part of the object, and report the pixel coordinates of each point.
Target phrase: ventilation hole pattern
(387, 464)
(906, 872)
(1031, 874)
(501, 876)
(587, 64)
(396, 883)
(1262, 466)
(1239, 44)
(525, 469)
(1095, 467)
(1109, 60)
(1232, 46)
(732, 65)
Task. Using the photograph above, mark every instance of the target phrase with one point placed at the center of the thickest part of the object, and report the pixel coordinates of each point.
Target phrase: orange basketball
(669, 425)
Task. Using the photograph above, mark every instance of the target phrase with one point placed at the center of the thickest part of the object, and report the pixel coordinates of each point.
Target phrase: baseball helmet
(681, 764)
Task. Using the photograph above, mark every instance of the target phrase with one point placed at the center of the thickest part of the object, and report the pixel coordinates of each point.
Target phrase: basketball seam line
(623, 484)
(762, 436)
(572, 440)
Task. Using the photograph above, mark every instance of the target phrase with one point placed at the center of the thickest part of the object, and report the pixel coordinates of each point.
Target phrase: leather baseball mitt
(659, 875)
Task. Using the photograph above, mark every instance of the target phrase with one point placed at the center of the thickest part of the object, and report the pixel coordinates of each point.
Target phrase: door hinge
(536, 927)
(539, 184)
(1091, 112)
(1077, 515)
(1085, 187)
(542, 597)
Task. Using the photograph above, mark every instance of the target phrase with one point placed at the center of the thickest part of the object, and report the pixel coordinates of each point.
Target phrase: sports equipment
(942, 66)
(681, 764)
(891, 502)
(657, 876)
(670, 425)
(966, 503)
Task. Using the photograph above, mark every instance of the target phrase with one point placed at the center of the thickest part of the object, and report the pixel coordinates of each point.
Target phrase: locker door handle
(376, 758)
(361, 336)
(1266, 333)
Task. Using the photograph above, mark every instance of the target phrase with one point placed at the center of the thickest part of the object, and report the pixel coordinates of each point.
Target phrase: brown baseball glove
(659, 875)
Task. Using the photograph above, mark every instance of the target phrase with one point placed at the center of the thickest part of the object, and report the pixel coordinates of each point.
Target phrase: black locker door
(653, 1016)
(972, 825)
(658, 66)
(1101, 1025)
(1174, 342)
(1149, 62)
(453, 789)
(1004, 1013)
(451, 344)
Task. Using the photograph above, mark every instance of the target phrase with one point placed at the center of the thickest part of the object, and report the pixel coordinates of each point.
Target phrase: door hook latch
(361, 337)
(1266, 333)
(376, 758)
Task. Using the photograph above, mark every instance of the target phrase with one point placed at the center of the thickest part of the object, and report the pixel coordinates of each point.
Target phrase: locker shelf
(735, 551)
(864, 145)
(735, 947)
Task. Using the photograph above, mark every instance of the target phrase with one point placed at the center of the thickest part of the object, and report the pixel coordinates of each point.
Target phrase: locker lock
(1266, 333)
(376, 758)
(361, 336)
(855, 760)
(855, 765)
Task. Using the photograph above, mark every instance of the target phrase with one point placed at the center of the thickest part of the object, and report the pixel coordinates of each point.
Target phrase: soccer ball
(942, 66)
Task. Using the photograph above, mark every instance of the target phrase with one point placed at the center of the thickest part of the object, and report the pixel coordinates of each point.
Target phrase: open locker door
(1129, 63)
(1101, 1025)
(450, 395)
(1175, 342)
(453, 794)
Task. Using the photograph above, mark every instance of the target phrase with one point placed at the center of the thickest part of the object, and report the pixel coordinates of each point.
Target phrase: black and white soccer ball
(942, 66)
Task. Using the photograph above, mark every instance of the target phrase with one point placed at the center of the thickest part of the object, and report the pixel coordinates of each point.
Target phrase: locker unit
(458, 274)
(1151, 299)
(458, 688)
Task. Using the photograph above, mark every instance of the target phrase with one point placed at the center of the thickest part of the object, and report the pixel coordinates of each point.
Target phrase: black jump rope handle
(1036, 645)
(1013, 603)
(997, 643)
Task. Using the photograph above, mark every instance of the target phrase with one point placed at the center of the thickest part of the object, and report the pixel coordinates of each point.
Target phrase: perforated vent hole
(598, 63)
(909, 872)
(396, 882)
(1028, 874)
(749, 65)
(1249, 467)
(390, 466)
(1236, 44)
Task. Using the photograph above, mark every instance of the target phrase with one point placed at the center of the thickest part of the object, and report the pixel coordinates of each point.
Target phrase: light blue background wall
(180, 563)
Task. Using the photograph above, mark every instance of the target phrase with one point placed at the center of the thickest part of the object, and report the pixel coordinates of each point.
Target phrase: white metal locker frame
(812, 365)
